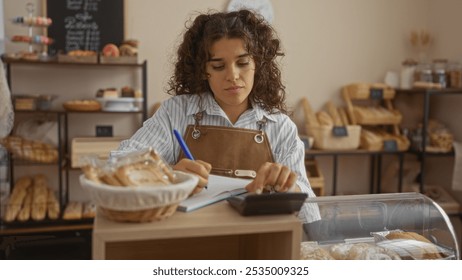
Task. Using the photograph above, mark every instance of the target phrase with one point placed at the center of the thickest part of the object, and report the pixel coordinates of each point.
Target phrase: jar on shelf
(455, 75)
(408, 68)
(423, 73)
(439, 72)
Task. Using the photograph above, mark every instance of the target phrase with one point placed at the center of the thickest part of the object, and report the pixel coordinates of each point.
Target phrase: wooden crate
(324, 138)
(99, 146)
(315, 176)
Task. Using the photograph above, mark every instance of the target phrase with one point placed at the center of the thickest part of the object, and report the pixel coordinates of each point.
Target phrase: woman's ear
(206, 76)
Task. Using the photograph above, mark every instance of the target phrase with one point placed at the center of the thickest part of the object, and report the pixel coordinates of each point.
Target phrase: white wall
(327, 44)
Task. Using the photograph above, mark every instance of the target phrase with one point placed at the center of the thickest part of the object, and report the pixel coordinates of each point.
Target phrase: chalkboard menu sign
(85, 24)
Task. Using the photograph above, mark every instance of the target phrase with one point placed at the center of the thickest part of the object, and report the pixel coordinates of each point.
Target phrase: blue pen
(183, 145)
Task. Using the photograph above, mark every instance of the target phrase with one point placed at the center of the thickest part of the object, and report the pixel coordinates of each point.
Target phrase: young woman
(229, 103)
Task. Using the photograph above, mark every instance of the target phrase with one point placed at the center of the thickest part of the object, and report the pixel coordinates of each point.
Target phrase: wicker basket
(82, 105)
(369, 116)
(363, 91)
(325, 140)
(140, 216)
(376, 142)
(140, 204)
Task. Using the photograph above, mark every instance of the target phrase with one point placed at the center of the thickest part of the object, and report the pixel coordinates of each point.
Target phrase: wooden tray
(87, 107)
(118, 60)
(77, 59)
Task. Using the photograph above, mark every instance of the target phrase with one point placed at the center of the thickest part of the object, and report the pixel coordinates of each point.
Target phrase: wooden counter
(213, 232)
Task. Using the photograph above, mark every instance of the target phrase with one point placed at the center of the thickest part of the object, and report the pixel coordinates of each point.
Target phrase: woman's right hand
(197, 167)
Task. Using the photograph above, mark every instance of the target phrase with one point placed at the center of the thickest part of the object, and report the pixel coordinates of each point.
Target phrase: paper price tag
(339, 131)
(390, 145)
(376, 93)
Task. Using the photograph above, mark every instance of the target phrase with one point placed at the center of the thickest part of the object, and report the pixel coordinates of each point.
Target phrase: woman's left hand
(272, 176)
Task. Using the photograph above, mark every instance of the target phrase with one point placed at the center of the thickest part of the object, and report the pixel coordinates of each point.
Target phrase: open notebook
(218, 188)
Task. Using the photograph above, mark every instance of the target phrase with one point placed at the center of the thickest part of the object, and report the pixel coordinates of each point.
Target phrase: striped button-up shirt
(178, 112)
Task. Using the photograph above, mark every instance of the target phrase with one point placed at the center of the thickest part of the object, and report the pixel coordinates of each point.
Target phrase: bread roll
(365, 251)
(361, 251)
(128, 50)
(91, 173)
(111, 180)
(340, 251)
(89, 210)
(140, 174)
(73, 211)
(310, 251)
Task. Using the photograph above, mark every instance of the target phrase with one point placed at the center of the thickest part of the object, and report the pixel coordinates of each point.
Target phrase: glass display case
(379, 226)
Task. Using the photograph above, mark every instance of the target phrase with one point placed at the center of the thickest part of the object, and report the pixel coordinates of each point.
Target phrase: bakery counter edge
(214, 220)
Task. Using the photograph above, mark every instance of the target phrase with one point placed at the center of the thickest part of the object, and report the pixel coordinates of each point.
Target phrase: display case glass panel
(409, 224)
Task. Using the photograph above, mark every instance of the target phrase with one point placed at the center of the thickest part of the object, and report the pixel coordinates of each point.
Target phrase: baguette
(22, 183)
(310, 116)
(324, 118)
(15, 203)
(343, 116)
(52, 205)
(24, 213)
(332, 110)
(40, 180)
(39, 202)
(17, 198)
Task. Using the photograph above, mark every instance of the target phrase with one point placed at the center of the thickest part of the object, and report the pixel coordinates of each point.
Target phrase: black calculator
(250, 204)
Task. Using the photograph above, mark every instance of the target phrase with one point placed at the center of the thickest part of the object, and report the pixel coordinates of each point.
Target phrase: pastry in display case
(407, 226)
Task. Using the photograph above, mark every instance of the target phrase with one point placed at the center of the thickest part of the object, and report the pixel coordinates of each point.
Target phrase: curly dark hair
(261, 42)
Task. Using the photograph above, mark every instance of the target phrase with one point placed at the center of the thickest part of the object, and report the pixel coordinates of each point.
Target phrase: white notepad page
(218, 188)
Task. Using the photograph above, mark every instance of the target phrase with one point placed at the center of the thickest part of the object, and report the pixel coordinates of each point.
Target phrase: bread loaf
(422, 249)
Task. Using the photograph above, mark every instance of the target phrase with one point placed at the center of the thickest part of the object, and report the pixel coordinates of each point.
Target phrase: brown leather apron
(234, 152)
